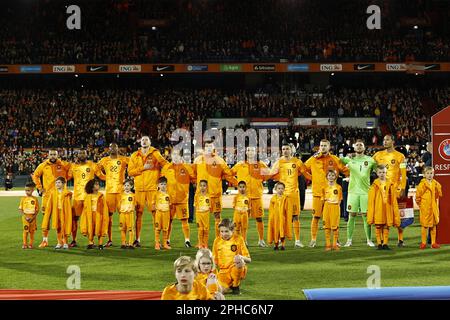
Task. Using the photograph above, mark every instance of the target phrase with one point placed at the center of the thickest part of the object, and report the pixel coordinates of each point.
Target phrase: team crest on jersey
(393, 161)
(130, 199)
(335, 191)
(182, 171)
(246, 202)
(214, 163)
(118, 163)
(233, 248)
(349, 207)
(366, 163)
(207, 200)
(88, 169)
(25, 227)
(167, 198)
(32, 202)
(294, 166)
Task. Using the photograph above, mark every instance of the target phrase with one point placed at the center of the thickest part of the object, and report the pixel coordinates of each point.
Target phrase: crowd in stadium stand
(40, 119)
(216, 31)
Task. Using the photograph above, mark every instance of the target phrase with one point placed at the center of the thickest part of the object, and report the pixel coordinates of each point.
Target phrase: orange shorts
(126, 221)
(77, 207)
(145, 199)
(162, 220)
(29, 226)
(226, 279)
(113, 201)
(317, 206)
(294, 204)
(202, 219)
(256, 208)
(240, 220)
(179, 211)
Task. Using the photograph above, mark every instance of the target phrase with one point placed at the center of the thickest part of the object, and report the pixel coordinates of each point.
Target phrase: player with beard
(360, 166)
(49, 171)
(145, 166)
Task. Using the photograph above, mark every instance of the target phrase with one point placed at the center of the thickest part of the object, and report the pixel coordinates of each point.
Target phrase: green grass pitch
(272, 275)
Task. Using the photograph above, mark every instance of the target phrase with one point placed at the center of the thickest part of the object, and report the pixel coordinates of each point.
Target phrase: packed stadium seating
(199, 31)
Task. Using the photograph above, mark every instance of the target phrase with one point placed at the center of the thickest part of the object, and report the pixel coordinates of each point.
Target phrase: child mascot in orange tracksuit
(382, 208)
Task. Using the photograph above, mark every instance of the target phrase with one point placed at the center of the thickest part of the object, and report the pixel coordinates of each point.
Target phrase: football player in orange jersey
(82, 171)
(49, 170)
(286, 170)
(179, 176)
(318, 165)
(145, 166)
(212, 168)
(253, 172)
(112, 169)
(395, 164)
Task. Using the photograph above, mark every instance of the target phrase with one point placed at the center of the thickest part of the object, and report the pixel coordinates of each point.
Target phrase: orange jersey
(203, 278)
(241, 203)
(127, 203)
(395, 165)
(224, 251)
(81, 174)
(178, 178)
(162, 201)
(115, 173)
(49, 172)
(146, 180)
(202, 203)
(213, 169)
(29, 205)
(318, 165)
(287, 171)
(332, 194)
(198, 292)
(253, 174)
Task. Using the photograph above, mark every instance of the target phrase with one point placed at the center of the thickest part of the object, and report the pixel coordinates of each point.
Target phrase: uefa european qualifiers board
(353, 67)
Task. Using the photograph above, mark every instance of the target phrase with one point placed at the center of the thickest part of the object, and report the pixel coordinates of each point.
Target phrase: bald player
(212, 168)
(395, 164)
(253, 172)
(318, 165)
(48, 171)
(286, 170)
(82, 171)
(112, 170)
(145, 166)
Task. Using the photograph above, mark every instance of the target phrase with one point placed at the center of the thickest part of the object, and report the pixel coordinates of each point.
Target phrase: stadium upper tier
(223, 30)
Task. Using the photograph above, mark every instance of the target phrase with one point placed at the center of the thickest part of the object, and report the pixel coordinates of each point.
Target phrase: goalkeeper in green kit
(360, 167)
